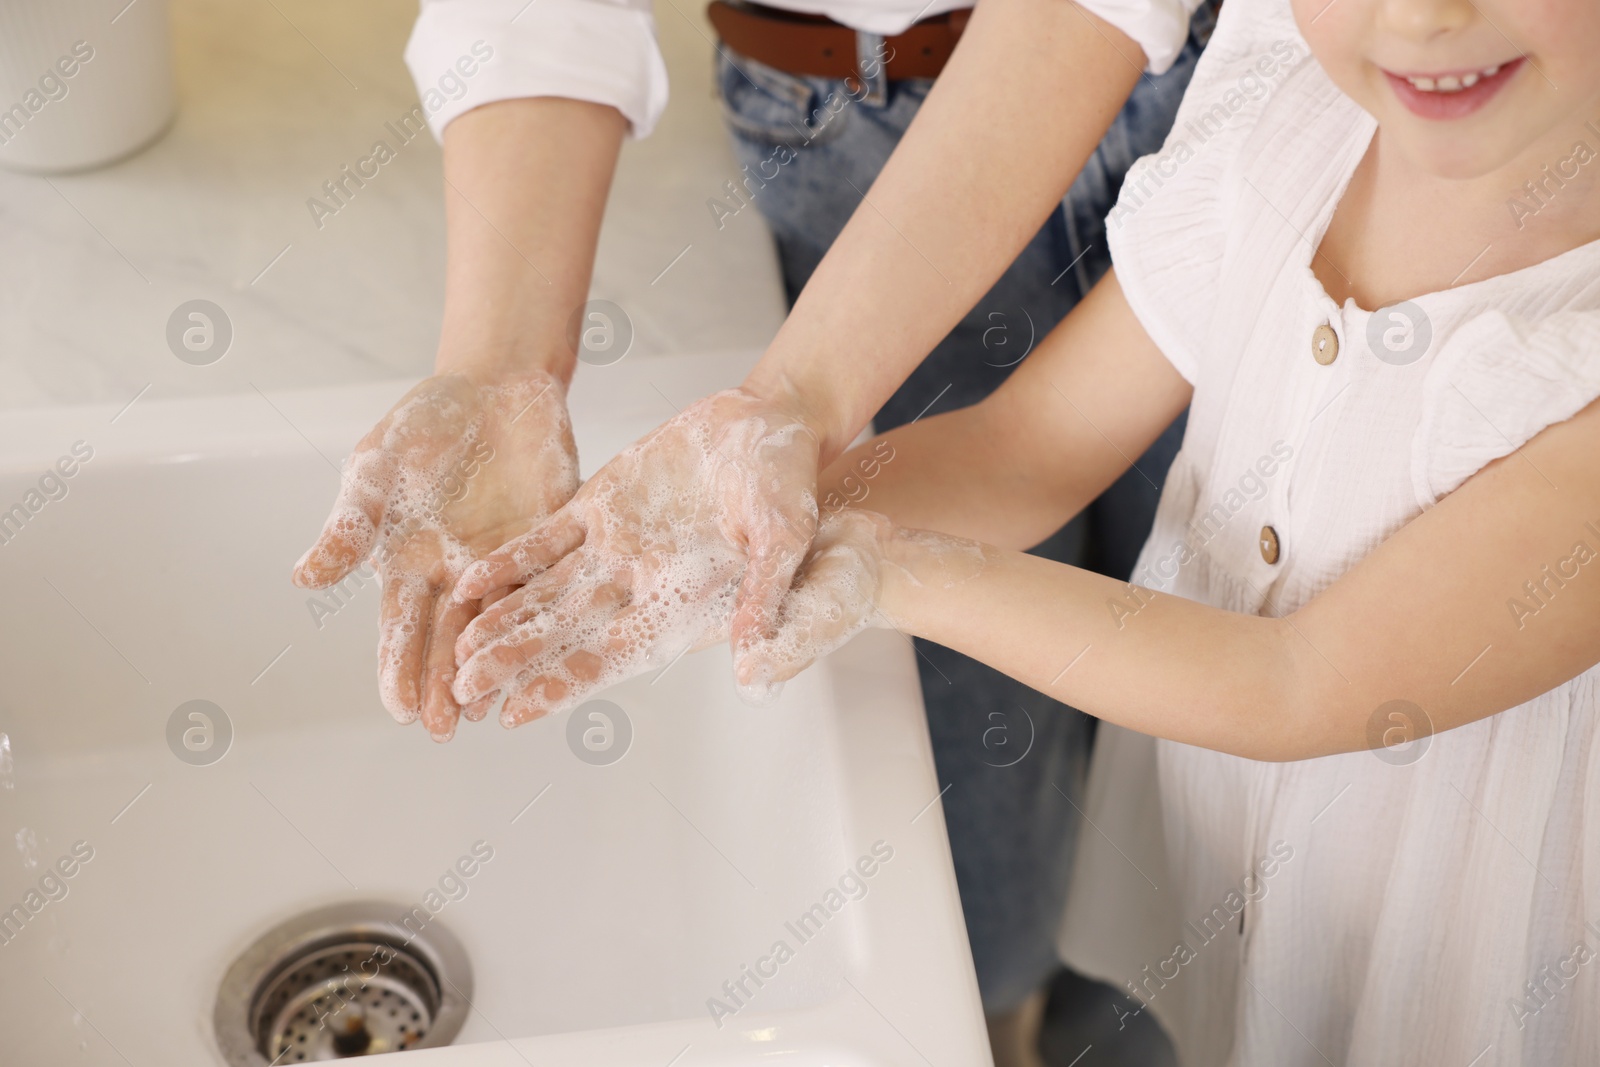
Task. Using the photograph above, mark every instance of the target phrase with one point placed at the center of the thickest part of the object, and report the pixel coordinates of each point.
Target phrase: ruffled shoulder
(1496, 383)
(1168, 232)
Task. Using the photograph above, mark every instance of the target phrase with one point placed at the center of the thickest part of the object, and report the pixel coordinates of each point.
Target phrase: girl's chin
(1451, 158)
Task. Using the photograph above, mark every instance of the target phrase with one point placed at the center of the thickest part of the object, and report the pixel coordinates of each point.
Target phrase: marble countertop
(273, 100)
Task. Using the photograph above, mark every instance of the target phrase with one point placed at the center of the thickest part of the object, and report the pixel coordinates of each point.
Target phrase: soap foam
(836, 592)
(406, 478)
(663, 558)
(833, 599)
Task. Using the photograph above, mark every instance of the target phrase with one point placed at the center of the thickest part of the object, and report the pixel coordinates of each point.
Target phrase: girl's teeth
(1450, 83)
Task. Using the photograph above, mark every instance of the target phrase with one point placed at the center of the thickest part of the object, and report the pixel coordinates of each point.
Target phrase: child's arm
(1426, 618)
(1013, 469)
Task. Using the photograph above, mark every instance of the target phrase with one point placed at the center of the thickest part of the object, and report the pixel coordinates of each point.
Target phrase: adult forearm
(1011, 470)
(525, 188)
(1028, 95)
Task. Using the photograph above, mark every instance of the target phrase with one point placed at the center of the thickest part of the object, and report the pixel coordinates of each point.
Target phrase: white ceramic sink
(615, 904)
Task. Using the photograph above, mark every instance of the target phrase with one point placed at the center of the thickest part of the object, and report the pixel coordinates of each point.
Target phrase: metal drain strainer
(347, 980)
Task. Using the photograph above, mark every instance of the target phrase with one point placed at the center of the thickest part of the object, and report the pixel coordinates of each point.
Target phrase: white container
(82, 82)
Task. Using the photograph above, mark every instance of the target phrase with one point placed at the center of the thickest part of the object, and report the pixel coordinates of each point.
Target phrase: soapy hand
(837, 593)
(457, 468)
(862, 571)
(690, 535)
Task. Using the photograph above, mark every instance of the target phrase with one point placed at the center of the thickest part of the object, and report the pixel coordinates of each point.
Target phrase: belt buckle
(872, 54)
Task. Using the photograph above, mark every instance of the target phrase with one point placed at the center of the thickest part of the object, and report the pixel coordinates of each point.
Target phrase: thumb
(518, 560)
(351, 529)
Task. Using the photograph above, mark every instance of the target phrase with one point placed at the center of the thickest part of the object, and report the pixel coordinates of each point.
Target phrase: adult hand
(689, 535)
(458, 467)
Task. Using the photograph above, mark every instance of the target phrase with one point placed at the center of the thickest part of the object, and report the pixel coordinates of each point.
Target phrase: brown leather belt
(817, 46)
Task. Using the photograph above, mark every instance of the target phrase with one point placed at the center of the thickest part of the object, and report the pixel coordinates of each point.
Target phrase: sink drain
(346, 980)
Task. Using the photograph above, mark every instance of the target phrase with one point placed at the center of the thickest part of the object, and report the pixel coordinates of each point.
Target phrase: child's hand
(835, 596)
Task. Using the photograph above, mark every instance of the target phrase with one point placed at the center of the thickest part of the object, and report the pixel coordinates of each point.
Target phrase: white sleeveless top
(1401, 906)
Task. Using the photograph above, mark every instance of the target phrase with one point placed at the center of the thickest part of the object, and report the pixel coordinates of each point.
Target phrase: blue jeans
(1013, 759)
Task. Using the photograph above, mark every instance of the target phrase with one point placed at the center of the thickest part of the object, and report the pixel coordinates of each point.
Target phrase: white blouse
(604, 51)
(1425, 905)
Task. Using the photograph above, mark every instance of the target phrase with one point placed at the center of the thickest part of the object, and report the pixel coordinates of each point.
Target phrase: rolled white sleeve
(1160, 26)
(466, 53)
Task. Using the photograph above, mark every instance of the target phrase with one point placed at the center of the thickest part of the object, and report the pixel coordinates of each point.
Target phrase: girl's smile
(1454, 95)
(1464, 89)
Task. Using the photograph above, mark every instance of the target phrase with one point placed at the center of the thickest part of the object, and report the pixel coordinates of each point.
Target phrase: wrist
(900, 578)
(921, 571)
(486, 360)
(815, 407)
